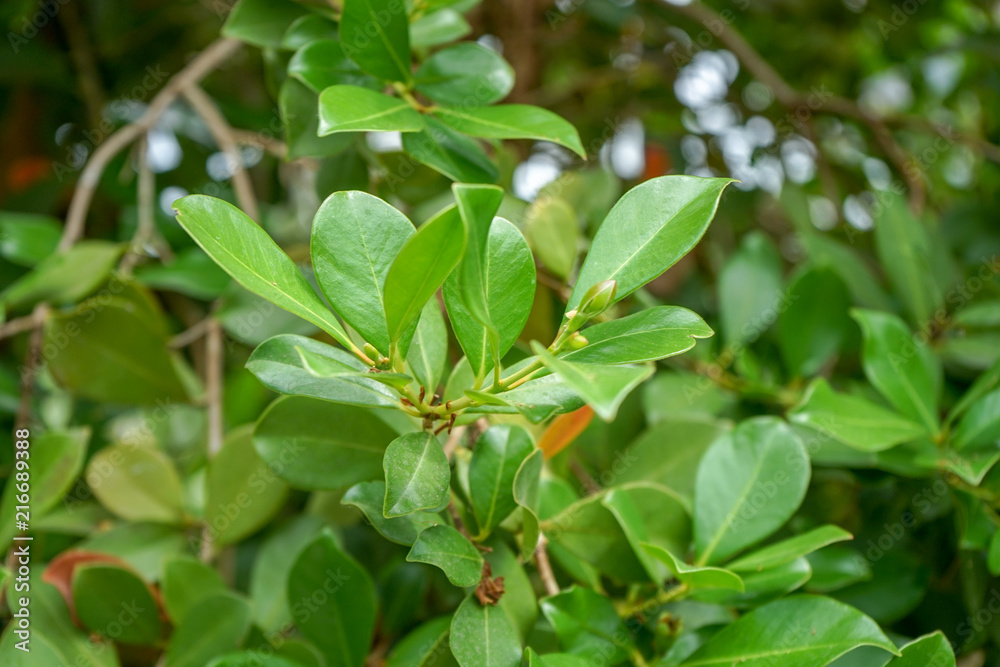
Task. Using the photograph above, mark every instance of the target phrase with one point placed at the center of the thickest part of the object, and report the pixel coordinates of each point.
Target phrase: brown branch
(146, 226)
(225, 139)
(213, 397)
(545, 567)
(82, 55)
(32, 359)
(90, 177)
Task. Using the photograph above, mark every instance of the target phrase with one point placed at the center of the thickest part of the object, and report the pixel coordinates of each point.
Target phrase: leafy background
(851, 383)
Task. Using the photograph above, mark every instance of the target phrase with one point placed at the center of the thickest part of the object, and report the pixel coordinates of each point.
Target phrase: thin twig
(16, 326)
(32, 359)
(90, 177)
(80, 51)
(191, 334)
(213, 398)
(223, 135)
(451, 444)
(545, 567)
(146, 226)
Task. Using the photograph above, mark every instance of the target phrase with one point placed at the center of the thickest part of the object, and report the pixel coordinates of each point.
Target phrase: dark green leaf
(649, 335)
(981, 424)
(603, 387)
(750, 290)
(588, 625)
(105, 594)
(813, 327)
(694, 577)
(215, 625)
(427, 646)
(933, 650)
(64, 278)
(552, 229)
(27, 238)
(465, 74)
(262, 22)
(322, 63)
(342, 625)
(449, 152)
(369, 497)
(417, 475)
(788, 550)
(439, 27)
(376, 35)
(483, 636)
(526, 482)
(496, 458)
(428, 353)
(512, 121)
(269, 578)
(300, 115)
(186, 581)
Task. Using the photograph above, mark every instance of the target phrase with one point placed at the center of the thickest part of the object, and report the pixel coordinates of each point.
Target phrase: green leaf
(814, 327)
(901, 367)
(355, 238)
(64, 278)
(322, 63)
(417, 475)
(749, 483)
(905, 250)
(694, 577)
(483, 636)
(650, 228)
(465, 73)
(553, 232)
(420, 268)
(439, 27)
(28, 238)
(750, 290)
(318, 445)
(512, 121)
(262, 22)
(105, 594)
(427, 646)
(118, 355)
(325, 367)
(790, 549)
(357, 109)
(56, 459)
(137, 483)
(428, 353)
(343, 624)
(478, 205)
(803, 630)
(243, 492)
(981, 424)
(686, 440)
(762, 587)
(444, 547)
(993, 555)
(853, 420)
(496, 458)
(649, 335)
(933, 650)
(532, 659)
(254, 260)
(269, 577)
(299, 107)
(369, 497)
(215, 625)
(307, 29)
(602, 387)
(508, 278)
(186, 581)
(588, 625)
(449, 152)
(376, 35)
(192, 273)
(280, 364)
(526, 482)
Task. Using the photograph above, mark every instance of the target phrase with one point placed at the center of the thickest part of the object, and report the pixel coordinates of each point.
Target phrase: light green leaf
(186, 581)
(483, 636)
(750, 290)
(526, 482)
(322, 63)
(649, 335)
(465, 72)
(417, 475)
(553, 231)
(508, 278)
(813, 327)
(588, 625)
(512, 121)
(376, 35)
(749, 483)
(694, 577)
(299, 107)
(28, 238)
(192, 273)
(56, 459)
(64, 278)
(446, 548)
(269, 577)
(449, 152)
(215, 625)
(355, 239)
(902, 368)
(307, 29)
(318, 445)
(803, 630)
(249, 255)
(420, 268)
(240, 483)
(602, 387)
(280, 364)
(438, 27)
(326, 367)
(496, 458)
(357, 109)
(788, 550)
(369, 497)
(981, 424)
(651, 227)
(428, 353)
(137, 483)
(101, 592)
(478, 205)
(853, 420)
(342, 626)
(933, 650)
(262, 22)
